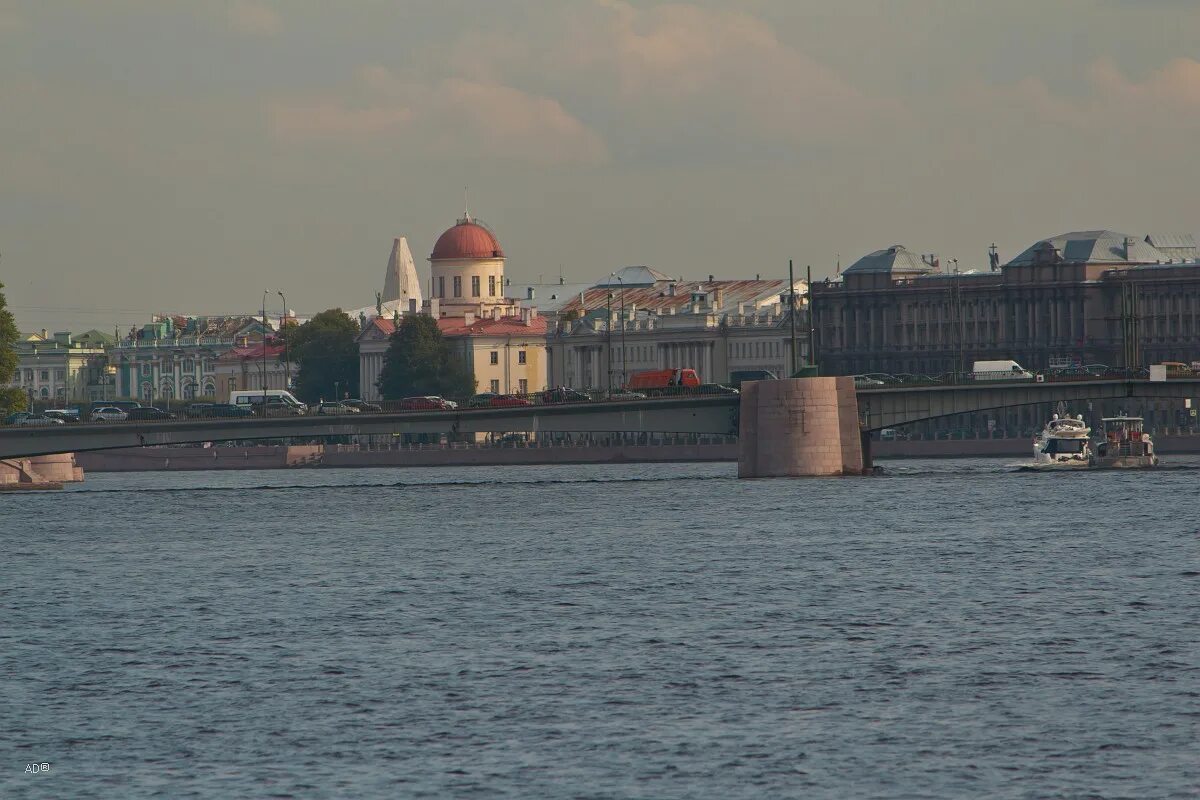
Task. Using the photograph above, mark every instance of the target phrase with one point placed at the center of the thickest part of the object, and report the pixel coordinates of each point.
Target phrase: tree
(11, 399)
(326, 349)
(419, 361)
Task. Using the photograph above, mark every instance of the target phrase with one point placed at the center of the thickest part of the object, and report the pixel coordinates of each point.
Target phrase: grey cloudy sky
(184, 156)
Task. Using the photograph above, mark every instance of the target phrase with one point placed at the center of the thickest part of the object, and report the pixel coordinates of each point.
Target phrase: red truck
(658, 381)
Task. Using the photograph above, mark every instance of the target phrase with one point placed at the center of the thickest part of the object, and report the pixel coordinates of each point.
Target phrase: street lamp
(287, 363)
(264, 347)
(608, 328)
(624, 351)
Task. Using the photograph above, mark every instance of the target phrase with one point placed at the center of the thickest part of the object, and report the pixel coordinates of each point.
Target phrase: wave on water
(395, 484)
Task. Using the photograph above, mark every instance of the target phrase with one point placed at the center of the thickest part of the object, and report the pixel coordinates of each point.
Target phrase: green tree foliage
(12, 399)
(326, 349)
(419, 361)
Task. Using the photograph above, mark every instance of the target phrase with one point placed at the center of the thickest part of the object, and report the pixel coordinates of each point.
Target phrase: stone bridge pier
(800, 427)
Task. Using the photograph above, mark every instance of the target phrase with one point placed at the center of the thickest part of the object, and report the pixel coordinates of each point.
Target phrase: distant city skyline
(183, 158)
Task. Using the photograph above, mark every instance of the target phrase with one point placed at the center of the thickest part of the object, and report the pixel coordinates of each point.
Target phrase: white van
(275, 397)
(1000, 371)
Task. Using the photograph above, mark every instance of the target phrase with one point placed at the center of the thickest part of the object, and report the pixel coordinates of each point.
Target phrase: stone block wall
(798, 427)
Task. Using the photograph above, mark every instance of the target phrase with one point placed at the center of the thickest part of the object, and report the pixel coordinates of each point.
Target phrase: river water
(954, 629)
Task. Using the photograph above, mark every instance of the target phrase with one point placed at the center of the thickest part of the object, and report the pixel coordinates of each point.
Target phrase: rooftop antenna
(839, 264)
(466, 206)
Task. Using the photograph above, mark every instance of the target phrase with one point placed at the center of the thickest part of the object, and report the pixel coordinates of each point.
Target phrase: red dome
(467, 239)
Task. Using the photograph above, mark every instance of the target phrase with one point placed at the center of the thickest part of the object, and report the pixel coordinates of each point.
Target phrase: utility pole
(287, 362)
(264, 349)
(608, 326)
(792, 303)
(624, 350)
(812, 330)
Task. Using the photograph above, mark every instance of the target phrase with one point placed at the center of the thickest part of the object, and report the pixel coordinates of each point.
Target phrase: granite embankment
(282, 457)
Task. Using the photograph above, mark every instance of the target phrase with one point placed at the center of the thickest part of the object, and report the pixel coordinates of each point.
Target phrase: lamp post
(624, 350)
(608, 327)
(264, 348)
(287, 363)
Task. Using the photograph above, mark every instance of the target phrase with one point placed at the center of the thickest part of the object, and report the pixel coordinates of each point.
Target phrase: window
(189, 365)
(474, 286)
(45, 375)
(441, 286)
(29, 376)
(458, 286)
(495, 387)
(167, 367)
(494, 357)
(520, 356)
(523, 385)
(491, 285)
(147, 368)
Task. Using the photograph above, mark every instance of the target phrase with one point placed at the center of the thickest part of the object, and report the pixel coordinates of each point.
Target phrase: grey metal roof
(1179, 246)
(633, 276)
(1092, 247)
(896, 258)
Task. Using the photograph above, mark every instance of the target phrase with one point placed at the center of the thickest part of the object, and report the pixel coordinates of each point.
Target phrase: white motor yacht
(1063, 444)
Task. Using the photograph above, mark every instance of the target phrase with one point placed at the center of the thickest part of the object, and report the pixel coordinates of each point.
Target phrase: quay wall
(346, 456)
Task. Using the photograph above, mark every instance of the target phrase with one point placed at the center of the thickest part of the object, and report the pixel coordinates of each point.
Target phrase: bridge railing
(149, 414)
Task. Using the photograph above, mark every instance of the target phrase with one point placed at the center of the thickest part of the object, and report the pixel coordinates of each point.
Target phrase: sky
(183, 157)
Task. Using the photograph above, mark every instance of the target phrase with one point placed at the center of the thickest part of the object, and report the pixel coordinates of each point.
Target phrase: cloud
(686, 78)
(10, 21)
(445, 118)
(1174, 87)
(253, 19)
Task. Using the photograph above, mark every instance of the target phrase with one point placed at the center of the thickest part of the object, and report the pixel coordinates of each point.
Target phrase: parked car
(195, 410)
(739, 376)
(625, 394)
(867, 380)
(715, 388)
(228, 410)
(108, 414)
(508, 401)
(148, 413)
(427, 403)
(514, 438)
(325, 409)
(64, 414)
(482, 400)
(564, 395)
(276, 407)
(363, 406)
(15, 417)
(38, 419)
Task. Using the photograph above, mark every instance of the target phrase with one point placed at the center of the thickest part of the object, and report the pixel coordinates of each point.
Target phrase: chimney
(45, 333)
(497, 313)
(524, 316)
(718, 297)
(435, 307)
(529, 293)
(412, 305)
(532, 313)
(671, 289)
(711, 279)
(468, 318)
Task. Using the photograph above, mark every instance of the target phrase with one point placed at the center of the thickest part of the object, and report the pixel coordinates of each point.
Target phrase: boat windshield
(1065, 445)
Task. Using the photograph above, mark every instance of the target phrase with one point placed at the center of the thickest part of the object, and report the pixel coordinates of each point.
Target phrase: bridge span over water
(781, 411)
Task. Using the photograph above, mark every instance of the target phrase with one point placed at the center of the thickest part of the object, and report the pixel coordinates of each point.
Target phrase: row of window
(457, 286)
(494, 357)
(147, 367)
(43, 375)
(522, 386)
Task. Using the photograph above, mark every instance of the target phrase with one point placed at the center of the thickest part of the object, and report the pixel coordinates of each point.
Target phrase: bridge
(786, 418)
